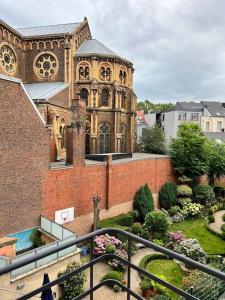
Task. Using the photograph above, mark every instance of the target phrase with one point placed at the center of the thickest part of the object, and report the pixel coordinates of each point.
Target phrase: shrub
(125, 220)
(143, 203)
(192, 249)
(135, 215)
(145, 284)
(222, 227)
(204, 195)
(115, 275)
(110, 248)
(35, 238)
(174, 210)
(156, 221)
(160, 297)
(137, 229)
(168, 195)
(211, 219)
(184, 191)
(214, 208)
(117, 264)
(74, 285)
(149, 196)
(184, 201)
(174, 238)
(192, 210)
(178, 218)
(224, 217)
(101, 242)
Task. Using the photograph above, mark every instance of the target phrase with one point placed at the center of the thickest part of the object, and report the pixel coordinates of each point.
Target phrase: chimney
(75, 152)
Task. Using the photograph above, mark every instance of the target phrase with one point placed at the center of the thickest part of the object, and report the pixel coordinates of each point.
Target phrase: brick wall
(116, 184)
(24, 159)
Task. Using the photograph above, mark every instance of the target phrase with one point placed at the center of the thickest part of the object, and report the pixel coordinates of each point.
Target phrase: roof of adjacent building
(48, 30)
(188, 106)
(45, 90)
(94, 47)
(216, 109)
(219, 136)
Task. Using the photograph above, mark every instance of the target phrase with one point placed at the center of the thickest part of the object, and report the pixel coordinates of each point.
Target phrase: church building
(62, 64)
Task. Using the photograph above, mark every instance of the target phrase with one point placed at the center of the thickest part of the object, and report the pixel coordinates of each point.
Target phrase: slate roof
(216, 109)
(215, 136)
(94, 47)
(45, 90)
(188, 106)
(48, 30)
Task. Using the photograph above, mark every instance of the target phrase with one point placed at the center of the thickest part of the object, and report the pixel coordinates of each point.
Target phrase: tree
(149, 106)
(216, 154)
(153, 140)
(143, 202)
(189, 151)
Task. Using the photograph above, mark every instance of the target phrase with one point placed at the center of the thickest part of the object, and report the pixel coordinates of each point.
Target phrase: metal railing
(130, 237)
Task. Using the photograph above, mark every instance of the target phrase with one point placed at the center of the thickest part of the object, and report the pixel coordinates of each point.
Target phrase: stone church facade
(60, 65)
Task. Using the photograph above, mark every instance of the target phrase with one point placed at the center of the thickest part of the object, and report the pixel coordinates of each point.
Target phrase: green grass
(170, 270)
(122, 221)
(196, 229)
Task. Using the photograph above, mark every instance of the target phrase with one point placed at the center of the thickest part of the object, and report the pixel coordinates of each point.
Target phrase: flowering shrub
(174, 239)
(192, 210)
(184, 191)
(192, 249)
(101, 243)
(117, 264)
(178, 218)
(174, 210)
(184, 201)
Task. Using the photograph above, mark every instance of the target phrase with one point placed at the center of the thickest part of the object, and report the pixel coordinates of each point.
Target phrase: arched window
(84, 94)
(104, 138)
(123, 100)
(105, 74)
(123, 140)
(123, 77)
(105, 97)
(87, 138)
(62, 132)
(84, 73)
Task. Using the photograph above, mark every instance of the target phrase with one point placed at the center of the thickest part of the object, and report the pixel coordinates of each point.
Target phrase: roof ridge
(48, 25)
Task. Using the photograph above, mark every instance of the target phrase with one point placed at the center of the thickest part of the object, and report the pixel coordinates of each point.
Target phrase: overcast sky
(177, 46)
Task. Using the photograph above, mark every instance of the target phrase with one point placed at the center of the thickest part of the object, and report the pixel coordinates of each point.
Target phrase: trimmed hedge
(116, 275)
(168, 195)
(184, 191)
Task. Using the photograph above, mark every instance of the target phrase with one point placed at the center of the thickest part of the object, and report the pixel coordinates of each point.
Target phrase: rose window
(46, 65)
(7, 59)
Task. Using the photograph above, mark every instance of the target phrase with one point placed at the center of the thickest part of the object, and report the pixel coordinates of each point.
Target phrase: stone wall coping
(5, 241)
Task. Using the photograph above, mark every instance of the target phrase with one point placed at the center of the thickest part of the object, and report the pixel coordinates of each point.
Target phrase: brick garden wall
(116, 184)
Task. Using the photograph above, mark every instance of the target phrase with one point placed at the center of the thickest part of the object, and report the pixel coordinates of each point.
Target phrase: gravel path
(106, 293)
(218, 221)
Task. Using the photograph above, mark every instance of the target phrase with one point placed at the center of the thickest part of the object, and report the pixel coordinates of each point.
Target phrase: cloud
(177, 46)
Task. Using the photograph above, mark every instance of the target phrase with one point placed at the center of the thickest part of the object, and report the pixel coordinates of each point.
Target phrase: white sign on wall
(64, 216)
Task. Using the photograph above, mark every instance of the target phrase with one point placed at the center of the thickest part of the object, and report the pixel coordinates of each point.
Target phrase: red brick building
(63, 94)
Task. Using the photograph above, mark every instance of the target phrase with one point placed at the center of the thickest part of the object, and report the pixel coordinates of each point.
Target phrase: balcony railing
(130, 237)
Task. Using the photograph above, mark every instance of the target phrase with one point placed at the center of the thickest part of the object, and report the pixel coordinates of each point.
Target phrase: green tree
(147, 105)
(143, 202)
(216, 154)
(189, 151)
(153, 140)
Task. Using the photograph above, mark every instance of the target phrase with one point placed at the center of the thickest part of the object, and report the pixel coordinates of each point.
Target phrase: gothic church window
(84, 94)
(105, 74)
(8, 59)
(123, 100)
(104, 138)
(84, 73)
(46, 65)
(123, 140)
(105, 97)
(122, 76)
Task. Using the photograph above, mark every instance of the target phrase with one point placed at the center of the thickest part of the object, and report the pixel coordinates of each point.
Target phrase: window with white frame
(194, 117)
(207, 126)
(219, 125)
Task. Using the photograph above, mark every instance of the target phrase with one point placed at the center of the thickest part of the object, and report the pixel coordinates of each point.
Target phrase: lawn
(168, 269)
(196, 229)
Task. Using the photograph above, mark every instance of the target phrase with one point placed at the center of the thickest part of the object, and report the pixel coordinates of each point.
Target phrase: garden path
(106, 293)
(218, 221)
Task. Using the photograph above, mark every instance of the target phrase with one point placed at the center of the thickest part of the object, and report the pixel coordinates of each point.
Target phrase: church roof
(94, 47)
(48, 30)
(44, 90)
